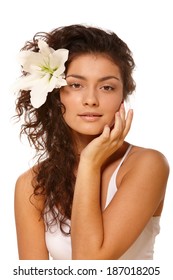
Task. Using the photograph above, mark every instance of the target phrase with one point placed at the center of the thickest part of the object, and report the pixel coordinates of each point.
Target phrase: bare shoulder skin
(154, 165)
(136, 155)
(30, 228)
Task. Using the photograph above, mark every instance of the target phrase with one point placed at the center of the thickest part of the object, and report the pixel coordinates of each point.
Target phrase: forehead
(95, 62)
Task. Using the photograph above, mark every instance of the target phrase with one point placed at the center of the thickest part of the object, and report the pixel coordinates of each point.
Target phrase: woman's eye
(75, 85)
(107, 88)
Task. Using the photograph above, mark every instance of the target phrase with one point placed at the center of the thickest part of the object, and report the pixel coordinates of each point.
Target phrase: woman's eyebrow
(76, 76)
(108, 78)
(101, 79)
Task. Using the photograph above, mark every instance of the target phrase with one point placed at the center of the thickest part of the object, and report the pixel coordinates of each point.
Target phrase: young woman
(91, 194)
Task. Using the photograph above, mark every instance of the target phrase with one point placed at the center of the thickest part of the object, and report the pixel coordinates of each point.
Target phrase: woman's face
(93, 94)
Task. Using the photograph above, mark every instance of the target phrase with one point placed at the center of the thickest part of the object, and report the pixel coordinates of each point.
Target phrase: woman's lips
(89, 116)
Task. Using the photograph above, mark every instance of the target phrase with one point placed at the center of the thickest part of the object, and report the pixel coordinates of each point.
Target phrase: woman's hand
(102, 147)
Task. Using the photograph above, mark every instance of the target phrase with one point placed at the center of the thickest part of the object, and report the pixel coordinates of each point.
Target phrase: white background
(146, 26)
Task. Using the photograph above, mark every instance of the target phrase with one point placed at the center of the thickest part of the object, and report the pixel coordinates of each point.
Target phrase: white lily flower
(45, 71)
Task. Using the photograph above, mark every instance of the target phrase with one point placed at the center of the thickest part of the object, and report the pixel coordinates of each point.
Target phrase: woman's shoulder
(142, 153)
(25, 185)
(146, 169)
(146, 158)
(26, 178)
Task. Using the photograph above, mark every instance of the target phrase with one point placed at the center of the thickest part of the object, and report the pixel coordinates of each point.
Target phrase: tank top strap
(123, 158)
(112, 188)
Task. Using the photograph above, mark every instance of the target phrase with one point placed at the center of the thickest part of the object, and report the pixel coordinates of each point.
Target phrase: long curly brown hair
(45, 126)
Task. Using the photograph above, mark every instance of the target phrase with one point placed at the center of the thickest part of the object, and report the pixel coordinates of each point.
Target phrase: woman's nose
(90, 97)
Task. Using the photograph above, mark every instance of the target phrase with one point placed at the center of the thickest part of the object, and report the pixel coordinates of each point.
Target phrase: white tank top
(59, 245)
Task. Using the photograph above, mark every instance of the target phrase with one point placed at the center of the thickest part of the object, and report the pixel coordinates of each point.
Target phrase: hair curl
(45, 127)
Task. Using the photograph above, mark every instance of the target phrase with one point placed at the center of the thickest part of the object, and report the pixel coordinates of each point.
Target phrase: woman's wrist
(89, 164)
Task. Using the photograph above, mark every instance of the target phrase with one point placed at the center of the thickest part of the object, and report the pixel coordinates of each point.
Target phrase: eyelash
(108, 88)
(75, 85)
(78, 86)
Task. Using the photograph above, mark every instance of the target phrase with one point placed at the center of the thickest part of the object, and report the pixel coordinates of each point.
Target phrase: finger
(122, 114)
(128, 122)
(122, 109)
(106, 132)
(118, 126)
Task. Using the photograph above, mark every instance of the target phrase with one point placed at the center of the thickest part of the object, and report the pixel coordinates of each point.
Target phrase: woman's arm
(108, 234)
(29, 227)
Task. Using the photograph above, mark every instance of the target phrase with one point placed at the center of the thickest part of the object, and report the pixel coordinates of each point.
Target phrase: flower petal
(45, 50)
(28, 59)
(26, 82)
(42, 87)
(39, 91)
(59, 82)
(38, 98)
(58, 58)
